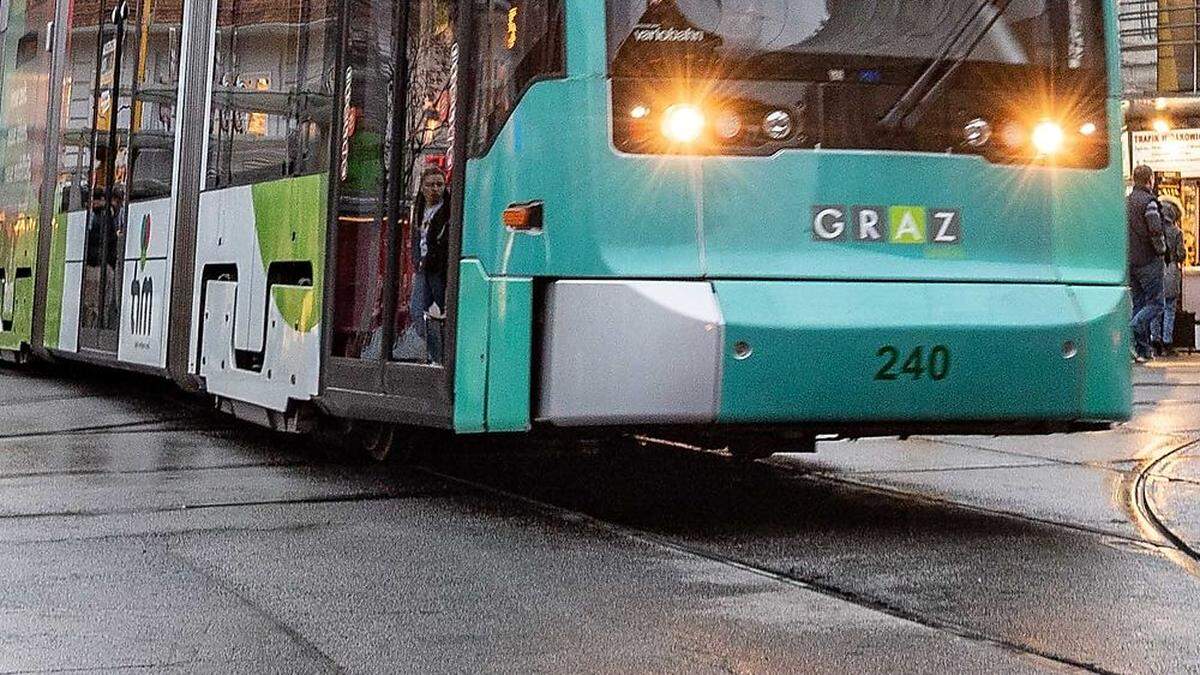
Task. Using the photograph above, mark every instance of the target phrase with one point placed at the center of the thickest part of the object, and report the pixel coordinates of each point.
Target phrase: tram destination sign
(887, 224)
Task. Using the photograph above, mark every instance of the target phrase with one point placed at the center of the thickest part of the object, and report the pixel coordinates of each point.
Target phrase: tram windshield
(875, 41)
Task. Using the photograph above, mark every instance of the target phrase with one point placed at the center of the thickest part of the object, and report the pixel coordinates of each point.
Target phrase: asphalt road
(139, 531)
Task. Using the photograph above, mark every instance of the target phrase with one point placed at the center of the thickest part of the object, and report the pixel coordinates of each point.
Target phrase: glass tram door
(104, 245)
(388, 241)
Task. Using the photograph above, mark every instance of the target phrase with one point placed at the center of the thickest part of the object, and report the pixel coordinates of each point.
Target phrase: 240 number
(917, 365)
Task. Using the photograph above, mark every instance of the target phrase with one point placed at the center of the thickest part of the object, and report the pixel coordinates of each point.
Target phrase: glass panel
(516, 42)
(363, 170)
(787, 39)
(110, 165)
(155, 86)
(23, 129)
(422, 252)
(248, 137)
(106, 177)
(312, 59)
(78, 110)
(272, 90)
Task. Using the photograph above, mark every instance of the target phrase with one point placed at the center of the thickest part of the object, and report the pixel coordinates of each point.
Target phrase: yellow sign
(510, 37)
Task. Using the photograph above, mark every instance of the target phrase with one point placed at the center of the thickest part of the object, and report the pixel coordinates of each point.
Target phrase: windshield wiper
(929, 86)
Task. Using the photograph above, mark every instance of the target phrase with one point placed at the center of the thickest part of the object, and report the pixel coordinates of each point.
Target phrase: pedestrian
(430, 250)
(1163, 330)
(1146, 268)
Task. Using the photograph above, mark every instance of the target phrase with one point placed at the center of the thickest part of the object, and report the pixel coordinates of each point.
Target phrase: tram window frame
(480, 140)
(226, 168)
(141, 174)
(73, 160)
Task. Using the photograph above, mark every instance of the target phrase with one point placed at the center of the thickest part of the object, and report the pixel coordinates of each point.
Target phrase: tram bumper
(835, 357)
(924, 353)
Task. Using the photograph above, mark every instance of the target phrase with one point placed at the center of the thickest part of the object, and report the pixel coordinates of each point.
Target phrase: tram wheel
(376, 440)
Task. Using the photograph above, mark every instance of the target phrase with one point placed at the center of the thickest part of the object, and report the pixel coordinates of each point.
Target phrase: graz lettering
(891, 224)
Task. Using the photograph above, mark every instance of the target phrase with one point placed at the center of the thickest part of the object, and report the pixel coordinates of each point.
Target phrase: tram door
(392, 221)
(100, 302)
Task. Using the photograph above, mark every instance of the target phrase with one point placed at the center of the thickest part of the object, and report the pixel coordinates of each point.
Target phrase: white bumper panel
(630, 352)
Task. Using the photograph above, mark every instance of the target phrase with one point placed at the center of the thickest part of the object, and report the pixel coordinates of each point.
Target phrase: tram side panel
(256, 302)
(259, 264)
(145, 283)
(132, 256)
(25, 72)
(68, 239)
(65, 281)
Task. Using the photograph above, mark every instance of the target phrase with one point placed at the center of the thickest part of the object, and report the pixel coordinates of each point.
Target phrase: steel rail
(1144, 505)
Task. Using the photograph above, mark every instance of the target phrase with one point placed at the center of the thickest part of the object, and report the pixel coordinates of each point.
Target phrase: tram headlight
(1048, 138)
(977, 132)
(683, 123)
(778, 124)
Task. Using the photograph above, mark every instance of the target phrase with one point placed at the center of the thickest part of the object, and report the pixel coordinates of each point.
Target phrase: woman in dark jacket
(430, 250)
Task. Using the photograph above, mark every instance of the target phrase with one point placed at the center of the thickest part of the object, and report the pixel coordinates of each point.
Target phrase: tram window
(310, 67)
(78, 112)
(155, 86)
(272, 90)
(23, 113)
(27, 48)
(362, 226)
(517, 42)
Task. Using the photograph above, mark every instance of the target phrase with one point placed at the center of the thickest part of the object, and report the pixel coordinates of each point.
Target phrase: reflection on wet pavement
(139, 530)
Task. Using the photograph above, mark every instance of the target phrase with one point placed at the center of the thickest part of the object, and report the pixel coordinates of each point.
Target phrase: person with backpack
(1163, 330)
(1146, 249)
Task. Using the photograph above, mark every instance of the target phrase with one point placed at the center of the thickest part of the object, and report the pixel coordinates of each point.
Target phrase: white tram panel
(144, 293)
(227, 235)
(68, 331)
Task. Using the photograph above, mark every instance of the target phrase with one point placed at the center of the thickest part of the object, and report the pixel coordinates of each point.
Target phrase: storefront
(1175, 157)
(1174, 154)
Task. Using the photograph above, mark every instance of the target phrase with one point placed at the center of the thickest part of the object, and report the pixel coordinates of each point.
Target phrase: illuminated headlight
(683, 123)
(1048, 138)
(778, 124)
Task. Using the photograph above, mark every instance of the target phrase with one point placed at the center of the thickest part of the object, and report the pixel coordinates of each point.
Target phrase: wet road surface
(138, 530)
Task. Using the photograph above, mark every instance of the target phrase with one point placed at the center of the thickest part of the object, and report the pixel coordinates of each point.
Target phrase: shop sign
(1177, 150)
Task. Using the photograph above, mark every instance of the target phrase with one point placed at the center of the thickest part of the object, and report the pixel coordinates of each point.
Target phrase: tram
(750, 220)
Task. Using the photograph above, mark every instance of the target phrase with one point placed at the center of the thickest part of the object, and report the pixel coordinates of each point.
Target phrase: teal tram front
(746, 221)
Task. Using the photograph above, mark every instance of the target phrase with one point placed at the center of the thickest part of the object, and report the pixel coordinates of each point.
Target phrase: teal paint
(604, 215)
(587, 39)
(510, 345)
(816, 351)
(612, 215)
(471, 348)
(1107, 392)
(1112, 30)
